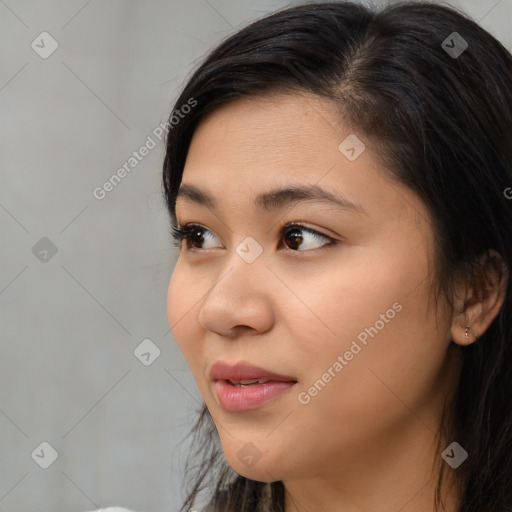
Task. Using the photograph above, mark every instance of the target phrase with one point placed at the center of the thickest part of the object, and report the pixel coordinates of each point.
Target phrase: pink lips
(235, 398)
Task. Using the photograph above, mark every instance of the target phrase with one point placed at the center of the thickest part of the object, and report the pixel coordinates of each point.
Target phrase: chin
(257, 473)
(246, 459)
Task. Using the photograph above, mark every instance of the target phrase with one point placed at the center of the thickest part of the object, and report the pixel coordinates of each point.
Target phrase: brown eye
(298, 236)
(294, 233)
(193, 234)
(196, 238)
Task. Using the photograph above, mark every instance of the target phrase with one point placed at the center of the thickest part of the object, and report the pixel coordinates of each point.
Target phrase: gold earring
(467, 332)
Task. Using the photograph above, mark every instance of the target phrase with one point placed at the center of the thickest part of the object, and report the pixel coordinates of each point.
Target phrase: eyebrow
(274, 199)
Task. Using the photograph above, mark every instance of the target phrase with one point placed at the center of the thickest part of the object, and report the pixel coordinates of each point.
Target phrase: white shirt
(113, 509)
(121, 509)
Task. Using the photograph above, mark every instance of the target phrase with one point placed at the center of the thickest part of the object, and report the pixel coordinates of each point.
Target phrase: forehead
(253, 144)
(282, 129)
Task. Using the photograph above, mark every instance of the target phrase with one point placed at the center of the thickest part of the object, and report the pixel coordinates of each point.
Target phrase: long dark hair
(438, 106)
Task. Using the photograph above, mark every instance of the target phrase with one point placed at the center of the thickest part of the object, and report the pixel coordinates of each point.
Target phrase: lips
(245, 374)
(245, 387)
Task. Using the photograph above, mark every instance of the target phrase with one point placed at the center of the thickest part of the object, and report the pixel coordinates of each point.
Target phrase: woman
(338, 181)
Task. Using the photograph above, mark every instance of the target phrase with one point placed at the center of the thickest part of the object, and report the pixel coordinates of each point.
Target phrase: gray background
(70, 323)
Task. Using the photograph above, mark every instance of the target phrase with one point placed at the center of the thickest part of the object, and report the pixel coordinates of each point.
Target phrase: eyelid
(182, 232)
(300, 224)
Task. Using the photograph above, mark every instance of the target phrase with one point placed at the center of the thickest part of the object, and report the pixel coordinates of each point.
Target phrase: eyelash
(185, 232)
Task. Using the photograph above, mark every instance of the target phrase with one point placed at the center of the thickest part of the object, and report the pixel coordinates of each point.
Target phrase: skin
(366, 441)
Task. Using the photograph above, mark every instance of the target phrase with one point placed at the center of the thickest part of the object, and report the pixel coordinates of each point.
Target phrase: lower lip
(235, 399)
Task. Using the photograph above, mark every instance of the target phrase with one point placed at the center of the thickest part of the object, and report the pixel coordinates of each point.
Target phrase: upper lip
(244, 371)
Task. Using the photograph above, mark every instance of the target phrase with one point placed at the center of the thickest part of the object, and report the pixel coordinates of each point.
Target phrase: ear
(478, 305)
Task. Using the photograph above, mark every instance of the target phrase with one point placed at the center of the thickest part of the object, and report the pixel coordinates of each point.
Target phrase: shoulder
(208, 508)
(121, 509)
(113, 509)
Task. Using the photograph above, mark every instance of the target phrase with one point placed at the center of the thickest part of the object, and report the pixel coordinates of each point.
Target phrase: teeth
(248, 382)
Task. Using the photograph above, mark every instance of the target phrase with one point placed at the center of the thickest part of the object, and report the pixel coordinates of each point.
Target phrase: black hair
(431, 91)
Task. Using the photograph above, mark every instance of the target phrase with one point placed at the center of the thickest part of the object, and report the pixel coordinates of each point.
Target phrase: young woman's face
(337, 309)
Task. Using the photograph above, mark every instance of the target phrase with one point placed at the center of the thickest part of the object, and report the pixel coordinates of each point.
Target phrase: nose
(240, 299)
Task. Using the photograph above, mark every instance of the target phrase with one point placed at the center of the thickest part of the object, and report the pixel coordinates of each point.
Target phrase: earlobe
(464, 325)
(482, 302)
(470, 337)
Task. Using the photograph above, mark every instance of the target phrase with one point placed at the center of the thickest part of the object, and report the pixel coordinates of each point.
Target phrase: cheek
(375, 318)
(180, 312)
(391, 380)
(357, 297)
